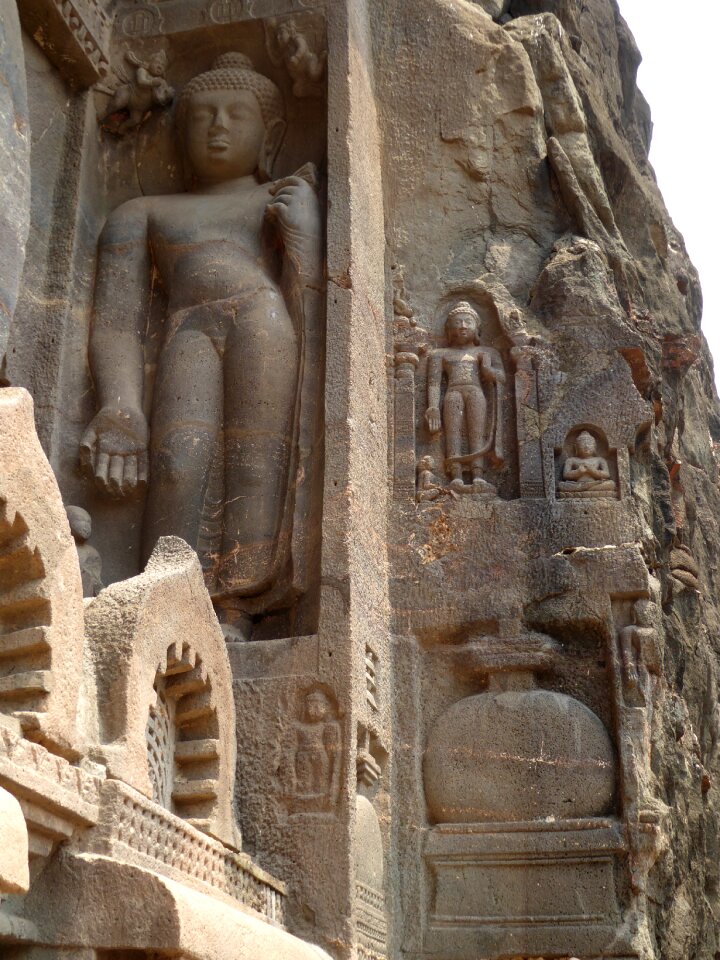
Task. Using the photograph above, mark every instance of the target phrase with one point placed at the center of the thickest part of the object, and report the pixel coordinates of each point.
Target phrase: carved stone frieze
(145, 19)
(385, 612)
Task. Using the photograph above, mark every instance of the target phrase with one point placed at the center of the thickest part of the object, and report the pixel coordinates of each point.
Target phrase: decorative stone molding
(134, 829)
(56, 797)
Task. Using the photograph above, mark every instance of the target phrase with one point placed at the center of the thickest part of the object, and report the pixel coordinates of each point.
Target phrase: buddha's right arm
(120, 311)
(434, 378)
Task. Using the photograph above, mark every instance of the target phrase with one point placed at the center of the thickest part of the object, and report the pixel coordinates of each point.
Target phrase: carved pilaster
(405, 366)
(533, 482)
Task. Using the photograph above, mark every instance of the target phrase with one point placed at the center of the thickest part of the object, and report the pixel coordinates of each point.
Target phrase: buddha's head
(231, 121)
(462, 326)
(317, 706)
(585, 445)
(644, 613)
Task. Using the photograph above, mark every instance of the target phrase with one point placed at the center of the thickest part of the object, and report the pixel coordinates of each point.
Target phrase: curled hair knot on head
(235, 71)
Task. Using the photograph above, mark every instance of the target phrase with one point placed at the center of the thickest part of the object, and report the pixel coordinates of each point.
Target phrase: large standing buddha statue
(239, 258)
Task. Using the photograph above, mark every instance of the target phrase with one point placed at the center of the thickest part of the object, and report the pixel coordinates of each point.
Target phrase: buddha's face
(586, 446)
(316, 707)
(462, 329)
(224, 134)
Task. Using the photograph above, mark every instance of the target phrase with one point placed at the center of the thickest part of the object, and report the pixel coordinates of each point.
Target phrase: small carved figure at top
(467, 413)
(146, 90)
(401, 307)
(314, 766)
(90, 560)
(586, 474)
(306, 68)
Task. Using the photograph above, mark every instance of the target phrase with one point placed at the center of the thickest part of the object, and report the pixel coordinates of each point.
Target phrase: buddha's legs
(261, 370)
(187, 415)
(464, 407)
(476, 415)
(453, 417)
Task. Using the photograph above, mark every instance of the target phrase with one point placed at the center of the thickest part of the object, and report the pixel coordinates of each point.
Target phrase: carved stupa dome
(518, 755)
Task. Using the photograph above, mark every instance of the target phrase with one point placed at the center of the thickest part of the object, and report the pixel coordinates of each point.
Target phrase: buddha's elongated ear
(274, 136)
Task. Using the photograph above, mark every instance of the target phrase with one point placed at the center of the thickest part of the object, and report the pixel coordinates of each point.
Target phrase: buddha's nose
(220, 122)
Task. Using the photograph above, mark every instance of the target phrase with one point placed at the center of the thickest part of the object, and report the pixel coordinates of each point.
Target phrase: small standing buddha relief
(470, 416)
(585, 473)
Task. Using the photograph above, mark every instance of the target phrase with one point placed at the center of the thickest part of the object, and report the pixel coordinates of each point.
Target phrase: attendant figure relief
(89, 558)
(312, 764)
(146, 90)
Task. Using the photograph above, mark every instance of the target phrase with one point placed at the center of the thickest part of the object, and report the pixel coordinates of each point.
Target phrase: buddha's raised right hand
(114, 450)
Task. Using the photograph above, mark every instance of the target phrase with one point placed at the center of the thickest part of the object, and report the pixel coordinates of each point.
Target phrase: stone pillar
(354, 615)
(14, 168)
(533, 481)
(405, 366)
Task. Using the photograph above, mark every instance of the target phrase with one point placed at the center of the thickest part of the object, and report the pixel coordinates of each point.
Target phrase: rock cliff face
(539, 182)
(677, 473)
(375, 308)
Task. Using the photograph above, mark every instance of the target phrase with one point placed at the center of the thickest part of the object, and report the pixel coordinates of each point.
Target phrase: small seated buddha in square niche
(587, 467)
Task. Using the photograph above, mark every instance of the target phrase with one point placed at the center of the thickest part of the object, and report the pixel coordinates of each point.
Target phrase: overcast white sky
(679, 77)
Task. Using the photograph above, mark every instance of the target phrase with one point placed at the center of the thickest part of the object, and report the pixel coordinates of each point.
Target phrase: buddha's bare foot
(482, 488)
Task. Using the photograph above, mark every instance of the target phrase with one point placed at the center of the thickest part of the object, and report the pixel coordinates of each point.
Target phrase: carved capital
(73, 34)
(405, 365)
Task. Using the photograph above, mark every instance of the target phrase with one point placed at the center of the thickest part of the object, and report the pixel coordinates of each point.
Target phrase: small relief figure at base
(648, 840)
(469, 415)
(146, 90)
(640, 656)
(586, 474)
(313, 764)
(90, 560)
(428, 488)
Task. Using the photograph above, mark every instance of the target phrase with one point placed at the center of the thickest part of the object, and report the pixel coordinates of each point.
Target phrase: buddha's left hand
(295, 208)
